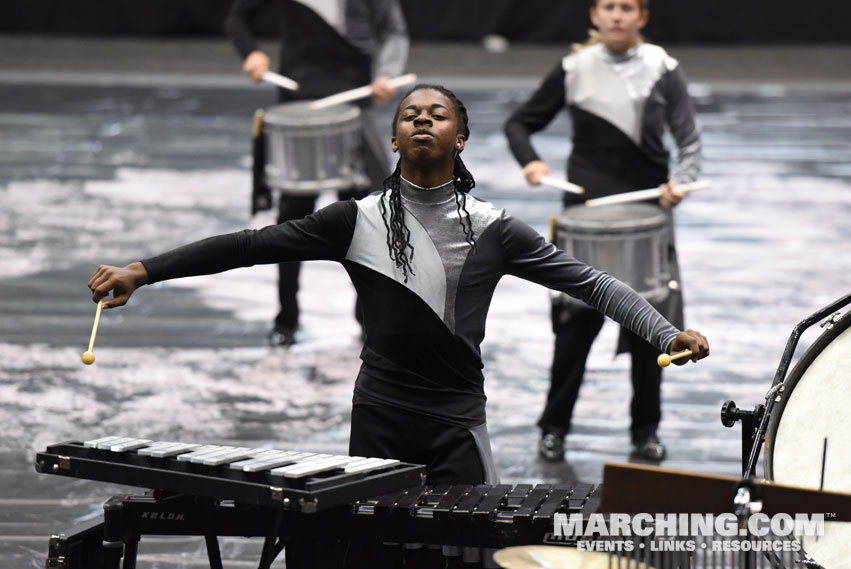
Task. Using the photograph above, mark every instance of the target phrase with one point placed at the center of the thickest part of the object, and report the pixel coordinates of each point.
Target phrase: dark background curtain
(540, 21)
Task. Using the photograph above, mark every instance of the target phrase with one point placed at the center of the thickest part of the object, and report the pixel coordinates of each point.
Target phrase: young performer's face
(619, 22)
(427, 128)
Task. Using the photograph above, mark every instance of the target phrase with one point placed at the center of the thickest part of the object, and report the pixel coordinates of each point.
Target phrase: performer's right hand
(535, 170)
(122, 281)
(256, 64)
(690, 340)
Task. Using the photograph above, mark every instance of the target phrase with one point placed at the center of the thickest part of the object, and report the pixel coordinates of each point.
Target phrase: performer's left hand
(382, 90)
(689, 340)
(671, 195)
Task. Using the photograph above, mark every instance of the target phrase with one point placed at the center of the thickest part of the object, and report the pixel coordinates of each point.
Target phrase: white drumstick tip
(280, 81)
(563, 185)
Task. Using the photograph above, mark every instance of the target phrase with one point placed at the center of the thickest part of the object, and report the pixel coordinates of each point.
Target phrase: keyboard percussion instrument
(217, 490)
(301, 481)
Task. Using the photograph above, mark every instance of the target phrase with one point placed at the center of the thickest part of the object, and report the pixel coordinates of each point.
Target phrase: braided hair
(398, 235)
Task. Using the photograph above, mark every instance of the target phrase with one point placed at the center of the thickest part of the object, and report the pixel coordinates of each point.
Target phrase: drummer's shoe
(649, 448)
(551, 447)
(282, 337)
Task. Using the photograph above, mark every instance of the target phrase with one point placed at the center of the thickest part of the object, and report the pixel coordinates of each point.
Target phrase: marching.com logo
(761, 532)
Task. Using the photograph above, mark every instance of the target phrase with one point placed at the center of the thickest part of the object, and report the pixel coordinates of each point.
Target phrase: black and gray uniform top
(620, 105)
(421, 352)
(328, 46)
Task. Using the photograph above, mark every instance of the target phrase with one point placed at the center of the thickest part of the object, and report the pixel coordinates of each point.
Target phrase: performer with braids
(425, 258)
(622, 94)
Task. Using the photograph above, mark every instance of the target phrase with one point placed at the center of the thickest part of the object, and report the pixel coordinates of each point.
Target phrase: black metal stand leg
(214, 554)
(748, 432)
(729, 415)
(271, 547)
(131, 549)
(113, 546)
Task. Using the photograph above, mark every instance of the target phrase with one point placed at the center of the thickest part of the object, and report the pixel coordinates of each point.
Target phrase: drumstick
(359, 93)
(280, 80)
(562, 185)
(664, 360)
(89, 356)
(647, 194)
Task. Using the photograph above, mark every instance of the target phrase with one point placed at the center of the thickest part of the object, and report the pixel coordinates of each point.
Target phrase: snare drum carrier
(631, 242)
(308, 151)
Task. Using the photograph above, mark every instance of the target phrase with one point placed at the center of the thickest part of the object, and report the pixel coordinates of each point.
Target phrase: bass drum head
(808, 432)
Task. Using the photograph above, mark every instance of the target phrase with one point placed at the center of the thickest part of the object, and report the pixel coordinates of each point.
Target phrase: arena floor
(112, 151)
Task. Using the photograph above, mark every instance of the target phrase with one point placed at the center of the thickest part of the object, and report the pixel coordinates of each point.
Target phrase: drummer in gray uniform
(621, 93)
(327, 47)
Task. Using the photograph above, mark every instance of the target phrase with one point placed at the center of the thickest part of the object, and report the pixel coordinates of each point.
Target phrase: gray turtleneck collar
(436, 195)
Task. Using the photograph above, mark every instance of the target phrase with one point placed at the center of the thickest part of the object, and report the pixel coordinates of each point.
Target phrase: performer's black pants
(298, 206)
(574, 335)
(449, 452)
(451, 457)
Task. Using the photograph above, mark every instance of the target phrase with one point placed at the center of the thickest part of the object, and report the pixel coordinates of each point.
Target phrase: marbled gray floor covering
(94, 175)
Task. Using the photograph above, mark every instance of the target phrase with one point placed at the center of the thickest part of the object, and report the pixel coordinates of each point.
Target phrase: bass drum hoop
(791, 382)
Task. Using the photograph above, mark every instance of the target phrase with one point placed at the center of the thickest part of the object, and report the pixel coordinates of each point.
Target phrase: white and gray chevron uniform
(620, 105)
(421, 354)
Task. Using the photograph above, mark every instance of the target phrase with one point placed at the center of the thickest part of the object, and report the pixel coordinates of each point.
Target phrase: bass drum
(808, 433)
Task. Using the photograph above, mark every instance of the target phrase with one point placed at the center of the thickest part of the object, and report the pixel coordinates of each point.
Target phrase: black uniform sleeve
(535, 114)
(237, 25)
(324, 235)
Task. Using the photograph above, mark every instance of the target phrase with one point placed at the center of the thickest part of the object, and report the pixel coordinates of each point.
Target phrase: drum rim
(340, 114)
(791, 381)
(657, 221)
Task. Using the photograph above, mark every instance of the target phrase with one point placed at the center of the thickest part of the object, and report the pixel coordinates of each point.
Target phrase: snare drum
(308, 151)
(808, 433)
(628, 241)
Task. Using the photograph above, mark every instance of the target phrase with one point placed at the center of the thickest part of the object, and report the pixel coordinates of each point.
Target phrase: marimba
(293, 480)
(285, 496)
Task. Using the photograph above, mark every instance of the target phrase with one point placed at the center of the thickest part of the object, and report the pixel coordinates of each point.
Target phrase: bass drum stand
(755, 422)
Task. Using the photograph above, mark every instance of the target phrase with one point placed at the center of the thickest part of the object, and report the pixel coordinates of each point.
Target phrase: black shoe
(282, 338)
(649, 448)
(551, 447)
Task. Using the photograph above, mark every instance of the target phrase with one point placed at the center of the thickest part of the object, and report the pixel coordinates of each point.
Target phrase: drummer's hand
(256, 64)
(122, 281)
(689, 340)
(535, 170)
(670, 195)
(382, 90)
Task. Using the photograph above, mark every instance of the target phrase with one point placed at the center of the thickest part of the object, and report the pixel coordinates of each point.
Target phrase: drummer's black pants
(575, 331)
(296, 206)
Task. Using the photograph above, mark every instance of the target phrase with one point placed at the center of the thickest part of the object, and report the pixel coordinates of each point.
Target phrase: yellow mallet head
(88, 358)
(664, 360)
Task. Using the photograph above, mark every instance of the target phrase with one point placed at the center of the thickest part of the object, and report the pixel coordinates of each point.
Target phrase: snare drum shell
(629, 241)
(308, 151)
